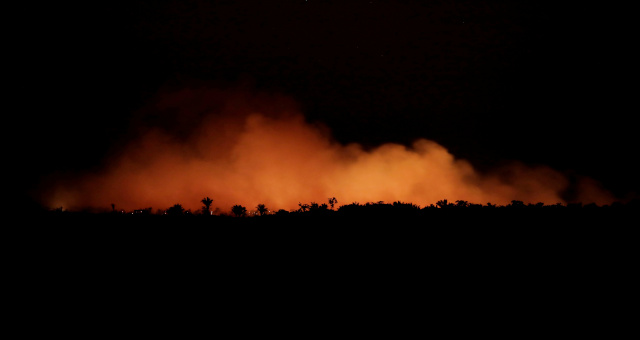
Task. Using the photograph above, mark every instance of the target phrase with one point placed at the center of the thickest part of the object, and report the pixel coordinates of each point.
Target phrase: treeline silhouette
(515, 242)
(439, 213)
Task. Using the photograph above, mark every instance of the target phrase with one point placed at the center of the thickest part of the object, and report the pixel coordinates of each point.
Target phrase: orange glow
(250, 149)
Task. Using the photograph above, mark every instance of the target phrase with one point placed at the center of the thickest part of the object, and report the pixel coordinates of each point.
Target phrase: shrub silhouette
(516, 204)
(176, 210)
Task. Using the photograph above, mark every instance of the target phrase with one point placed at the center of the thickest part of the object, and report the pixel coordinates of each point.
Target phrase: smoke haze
(239, 147)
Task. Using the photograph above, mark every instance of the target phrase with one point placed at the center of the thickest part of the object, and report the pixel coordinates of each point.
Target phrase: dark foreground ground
(561, 239)
(499, 272)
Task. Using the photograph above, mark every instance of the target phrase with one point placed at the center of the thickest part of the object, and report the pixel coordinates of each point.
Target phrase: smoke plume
(244, 148)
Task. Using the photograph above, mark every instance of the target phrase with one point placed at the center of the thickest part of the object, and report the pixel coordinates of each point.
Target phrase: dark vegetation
(460, 256)
(459, 232)
(370, 214)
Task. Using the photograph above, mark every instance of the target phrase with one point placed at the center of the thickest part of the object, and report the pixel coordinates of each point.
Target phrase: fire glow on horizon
(240, 148)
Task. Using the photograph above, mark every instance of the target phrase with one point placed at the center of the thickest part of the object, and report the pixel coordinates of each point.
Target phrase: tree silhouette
(317, 208)
(444, 203)
(332, 202)
(462, 204)
(516, 204)
(176, 210)
(239, 210)
(207, 205)
(303, 207)
(262, 209)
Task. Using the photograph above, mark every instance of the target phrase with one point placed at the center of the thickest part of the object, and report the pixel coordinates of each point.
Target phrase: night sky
(491, 81)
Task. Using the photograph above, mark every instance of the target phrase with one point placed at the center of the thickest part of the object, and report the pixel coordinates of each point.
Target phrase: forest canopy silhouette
(242, 147)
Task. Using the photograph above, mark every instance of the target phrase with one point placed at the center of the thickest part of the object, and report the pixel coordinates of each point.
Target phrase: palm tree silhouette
(262, 209)
(207, 204)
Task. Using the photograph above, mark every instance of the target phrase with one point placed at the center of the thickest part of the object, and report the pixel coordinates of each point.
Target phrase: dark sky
(490, 80)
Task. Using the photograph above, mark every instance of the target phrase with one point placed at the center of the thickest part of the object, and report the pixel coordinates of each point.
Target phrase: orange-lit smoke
(240, 148)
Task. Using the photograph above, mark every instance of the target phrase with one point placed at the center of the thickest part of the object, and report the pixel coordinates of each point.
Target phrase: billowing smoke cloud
(243, 148)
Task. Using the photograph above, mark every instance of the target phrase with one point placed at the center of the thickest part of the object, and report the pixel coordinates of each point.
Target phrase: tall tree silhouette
(207, 205)
(262, 209)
